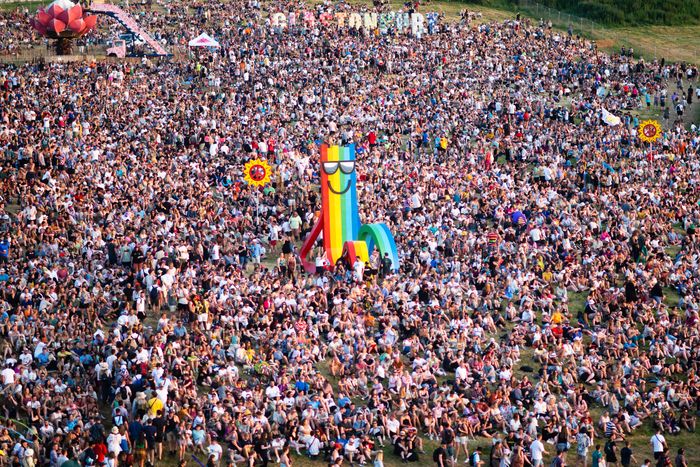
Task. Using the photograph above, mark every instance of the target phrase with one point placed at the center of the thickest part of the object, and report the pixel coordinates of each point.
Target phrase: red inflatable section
(55, 21)
(310, 266)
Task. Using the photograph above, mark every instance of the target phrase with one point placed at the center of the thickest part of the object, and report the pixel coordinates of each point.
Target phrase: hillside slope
(630, 12)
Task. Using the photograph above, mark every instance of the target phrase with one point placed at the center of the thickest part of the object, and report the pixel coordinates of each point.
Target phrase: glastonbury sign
(416, 24)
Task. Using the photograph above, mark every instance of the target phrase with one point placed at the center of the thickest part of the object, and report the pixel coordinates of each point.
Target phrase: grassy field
(630, 12)
(29, 5)
(678, 43)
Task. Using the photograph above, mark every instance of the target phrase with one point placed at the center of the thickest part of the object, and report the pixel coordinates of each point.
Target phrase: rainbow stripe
(356, 250)
(380, 235)
(341, 221)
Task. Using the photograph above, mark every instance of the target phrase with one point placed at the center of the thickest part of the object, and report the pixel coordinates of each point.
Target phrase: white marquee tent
(204, 40)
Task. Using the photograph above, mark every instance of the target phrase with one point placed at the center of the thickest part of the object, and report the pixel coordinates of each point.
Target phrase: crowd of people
(154, 309)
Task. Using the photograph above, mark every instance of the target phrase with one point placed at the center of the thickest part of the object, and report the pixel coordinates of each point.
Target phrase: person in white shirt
(351, 448)
(26, 357)
(214, 450)
(537, 451)
(540, 406)
(392, 425)
(114, 441)
(141, 356)
(658, 443)
(460, 373)
(272, 392)
(8, 376)
(313, 446)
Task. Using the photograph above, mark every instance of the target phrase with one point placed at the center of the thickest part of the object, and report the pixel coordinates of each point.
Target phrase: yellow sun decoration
(257, 172)
(649, 131)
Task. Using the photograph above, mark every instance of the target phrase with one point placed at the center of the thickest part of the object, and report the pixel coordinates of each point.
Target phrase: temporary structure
(204, 40)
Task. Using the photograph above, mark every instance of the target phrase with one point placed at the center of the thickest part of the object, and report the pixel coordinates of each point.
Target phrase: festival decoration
(257, 172)
(63, 20)
(343, 235)
(610, 119)
(649, 131)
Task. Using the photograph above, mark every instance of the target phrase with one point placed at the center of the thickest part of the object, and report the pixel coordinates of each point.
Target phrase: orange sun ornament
(257, 172)
(649, 131)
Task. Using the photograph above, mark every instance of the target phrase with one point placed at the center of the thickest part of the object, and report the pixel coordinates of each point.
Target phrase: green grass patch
(631, 12)
(671, 297)
(577, 302)
(15, 5)
(673, 250)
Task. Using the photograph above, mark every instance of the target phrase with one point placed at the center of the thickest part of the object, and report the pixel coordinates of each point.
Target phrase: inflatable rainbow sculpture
(343, 235)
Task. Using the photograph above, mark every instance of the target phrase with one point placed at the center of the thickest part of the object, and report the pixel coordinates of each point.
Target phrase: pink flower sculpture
(62, 19)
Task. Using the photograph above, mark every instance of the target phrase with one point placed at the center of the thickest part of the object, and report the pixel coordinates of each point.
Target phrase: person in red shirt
(100, 450)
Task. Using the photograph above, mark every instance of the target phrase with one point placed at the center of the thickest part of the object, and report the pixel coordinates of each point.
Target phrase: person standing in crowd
(658, 444)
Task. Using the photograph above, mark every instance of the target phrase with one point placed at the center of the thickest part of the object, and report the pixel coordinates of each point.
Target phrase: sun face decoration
(257, 172)
(649, 131)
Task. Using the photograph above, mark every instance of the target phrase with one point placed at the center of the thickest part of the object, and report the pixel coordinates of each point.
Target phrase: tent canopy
(204, 40)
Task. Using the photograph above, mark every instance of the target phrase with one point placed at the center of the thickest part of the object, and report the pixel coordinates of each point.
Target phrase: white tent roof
(204, 40)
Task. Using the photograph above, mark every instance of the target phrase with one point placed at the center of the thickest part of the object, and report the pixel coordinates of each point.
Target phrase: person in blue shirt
(256, 251)
(86, 360)
(43, 358)
(343, 401)
(302, 386)
(180, 330)
(4, 250)
(198, 435)
(135, 429)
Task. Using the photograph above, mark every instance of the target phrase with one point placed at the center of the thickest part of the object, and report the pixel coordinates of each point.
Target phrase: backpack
(436, 455)
(472, 459)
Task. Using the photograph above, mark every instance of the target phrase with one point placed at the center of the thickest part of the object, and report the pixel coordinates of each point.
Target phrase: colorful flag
(610, 119)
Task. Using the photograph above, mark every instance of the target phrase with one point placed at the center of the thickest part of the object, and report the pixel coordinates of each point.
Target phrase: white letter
(355, 21)
(402, 22)
(279, 20)
(370, 21)
(417, 27)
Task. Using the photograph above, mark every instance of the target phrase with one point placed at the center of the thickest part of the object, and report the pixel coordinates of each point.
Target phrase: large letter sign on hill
(343, 236)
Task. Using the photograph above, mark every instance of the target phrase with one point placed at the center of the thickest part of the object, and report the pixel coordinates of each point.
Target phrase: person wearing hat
(114, 441)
